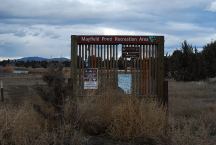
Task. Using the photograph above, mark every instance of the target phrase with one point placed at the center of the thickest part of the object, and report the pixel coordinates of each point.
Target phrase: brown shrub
(136, 118)
(125, 118)
(7, 69)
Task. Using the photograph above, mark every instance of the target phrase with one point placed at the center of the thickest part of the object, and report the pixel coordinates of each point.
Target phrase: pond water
(20, 72)
(124, 82)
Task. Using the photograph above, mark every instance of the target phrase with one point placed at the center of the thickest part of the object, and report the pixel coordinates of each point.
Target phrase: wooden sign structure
(109, 55)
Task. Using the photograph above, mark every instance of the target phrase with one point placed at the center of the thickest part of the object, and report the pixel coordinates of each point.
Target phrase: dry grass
(192, 113)
(192, 110)
(189, 132)
(20, 125)
(125, 118)
(135, 118)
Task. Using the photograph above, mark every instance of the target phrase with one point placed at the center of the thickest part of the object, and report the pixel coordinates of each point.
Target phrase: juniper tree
(54, 93)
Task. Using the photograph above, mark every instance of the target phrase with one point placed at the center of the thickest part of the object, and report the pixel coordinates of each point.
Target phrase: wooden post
(74, 64)
(2, 91)
(166, 94)
(160, 69)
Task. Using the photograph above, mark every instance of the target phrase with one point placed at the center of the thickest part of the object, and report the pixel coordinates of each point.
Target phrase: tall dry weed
(125, 117)
(19, 125)
(136, 118)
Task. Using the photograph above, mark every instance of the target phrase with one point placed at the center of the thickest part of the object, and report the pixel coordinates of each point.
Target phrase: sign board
(131, 52)
(111, 40)
(91, 78)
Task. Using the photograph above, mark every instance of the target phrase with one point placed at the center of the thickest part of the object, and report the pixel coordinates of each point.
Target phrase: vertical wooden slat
(101, 56)
(82, 57)
(140, 69)
(145, 71)
(104, 50)
(150, 70)
(79, 65)
(74, 64)
(155, 70)
(83, 63)
(86, 55)
(160, 68)
(108, 55)
(125, 60)
(113, 56)
(134, 69)
(152, 62)
(106, 63)
(116, 64)
(94, 56)
(98, 56)
(91, 54)
(116, 58)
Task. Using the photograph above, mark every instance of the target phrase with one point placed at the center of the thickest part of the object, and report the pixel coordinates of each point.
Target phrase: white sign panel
(91, 78)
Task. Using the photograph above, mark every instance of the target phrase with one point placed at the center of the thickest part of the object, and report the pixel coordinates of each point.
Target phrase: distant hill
(61, 59)
(32, 59)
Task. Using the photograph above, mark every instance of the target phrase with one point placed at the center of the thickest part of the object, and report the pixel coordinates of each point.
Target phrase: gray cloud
(43, 28)
(212, 7)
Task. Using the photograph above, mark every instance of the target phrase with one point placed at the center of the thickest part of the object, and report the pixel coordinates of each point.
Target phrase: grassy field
(111, 119)
(192, 112)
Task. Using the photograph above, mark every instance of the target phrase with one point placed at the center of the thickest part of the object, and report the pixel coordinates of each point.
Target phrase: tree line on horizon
(32, 64)
(184, 64)
(188, 64)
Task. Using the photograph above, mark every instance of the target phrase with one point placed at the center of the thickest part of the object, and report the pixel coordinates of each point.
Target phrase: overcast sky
(43, 27)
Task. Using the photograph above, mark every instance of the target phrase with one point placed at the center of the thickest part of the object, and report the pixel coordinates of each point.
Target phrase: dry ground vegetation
(192, 112)
(114, 119)
(91, 121)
